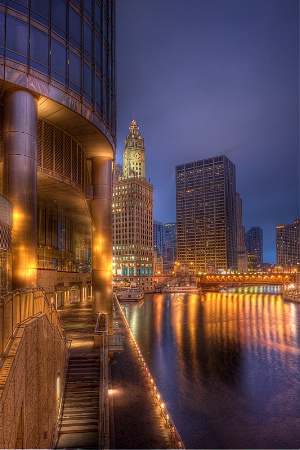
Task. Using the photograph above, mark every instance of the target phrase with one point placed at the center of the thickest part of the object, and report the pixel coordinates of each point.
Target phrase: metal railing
(17, 309)
(20, 305)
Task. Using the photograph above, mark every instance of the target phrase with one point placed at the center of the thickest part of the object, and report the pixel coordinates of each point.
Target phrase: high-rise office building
(240, 237)
(158, 237)
(254, 243)
(57, 142)
(169, 246)
(206, 215)
(288, 244)
(133, 216)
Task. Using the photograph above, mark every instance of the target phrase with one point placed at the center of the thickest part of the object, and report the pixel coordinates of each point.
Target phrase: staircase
(80, 416)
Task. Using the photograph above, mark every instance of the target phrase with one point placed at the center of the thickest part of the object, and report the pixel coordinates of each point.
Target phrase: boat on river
(182, 289)
(130, 294)
(291, 296)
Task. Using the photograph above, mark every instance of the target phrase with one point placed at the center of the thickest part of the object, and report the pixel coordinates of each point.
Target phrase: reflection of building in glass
(5, 245)
(254, 243)
(133, 216)
(57, 142)
(288, 244)
(169, 246)
(206, 215)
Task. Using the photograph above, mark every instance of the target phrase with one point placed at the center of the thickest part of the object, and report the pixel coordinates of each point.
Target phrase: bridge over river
(207, 281)
(219, 281)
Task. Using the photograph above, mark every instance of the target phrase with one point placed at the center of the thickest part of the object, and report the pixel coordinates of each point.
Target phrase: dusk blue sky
(215, 77)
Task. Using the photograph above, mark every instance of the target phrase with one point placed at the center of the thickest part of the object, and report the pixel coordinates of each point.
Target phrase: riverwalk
(138, 422)
(135, 419)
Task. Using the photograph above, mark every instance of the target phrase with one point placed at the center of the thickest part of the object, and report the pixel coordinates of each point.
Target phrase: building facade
(288, 244)
(254, 243)
(158, 237)
(169, 246)
(133, 216)
(57, 142)
(242, 265)
(206, 215)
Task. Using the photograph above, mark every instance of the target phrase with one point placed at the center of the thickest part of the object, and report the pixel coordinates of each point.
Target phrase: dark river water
(227, 366)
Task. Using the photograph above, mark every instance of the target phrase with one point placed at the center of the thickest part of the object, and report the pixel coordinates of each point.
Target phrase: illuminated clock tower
(134, 153)
(133, 217)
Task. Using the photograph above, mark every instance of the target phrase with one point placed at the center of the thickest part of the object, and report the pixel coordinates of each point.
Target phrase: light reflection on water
(227, 366)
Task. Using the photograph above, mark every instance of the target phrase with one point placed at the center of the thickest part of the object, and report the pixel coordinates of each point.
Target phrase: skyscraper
(133, 216)
(242, 265)
(158, 237)
(254, 243)
(206, 215)
(169, 246)
(57, 142)
(57, 147)
(288, 244)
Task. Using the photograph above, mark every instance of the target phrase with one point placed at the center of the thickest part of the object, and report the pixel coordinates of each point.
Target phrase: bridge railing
(20, 305)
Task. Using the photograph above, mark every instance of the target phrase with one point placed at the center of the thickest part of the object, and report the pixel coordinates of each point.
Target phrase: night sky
(215, 77)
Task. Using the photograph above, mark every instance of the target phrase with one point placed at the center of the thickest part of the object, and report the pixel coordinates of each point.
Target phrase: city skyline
(213, 79)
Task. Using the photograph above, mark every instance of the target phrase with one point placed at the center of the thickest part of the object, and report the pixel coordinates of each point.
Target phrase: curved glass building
(57, 143)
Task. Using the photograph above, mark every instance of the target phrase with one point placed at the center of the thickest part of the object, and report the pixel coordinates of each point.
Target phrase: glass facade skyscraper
(206, 215)
(57, 140)
(169, 246)
(158, 237)
(254, 243)
(65, 45)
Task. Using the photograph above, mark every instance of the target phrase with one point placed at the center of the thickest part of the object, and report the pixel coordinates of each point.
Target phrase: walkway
(135, 419)
(138, 424)
(79, 425)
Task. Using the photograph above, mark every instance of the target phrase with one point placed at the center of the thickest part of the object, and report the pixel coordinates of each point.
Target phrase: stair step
(81, 403)
(82, 408)
(75, 422)
(86, 400)
(80, 415)
(83, 398)
(76, 430)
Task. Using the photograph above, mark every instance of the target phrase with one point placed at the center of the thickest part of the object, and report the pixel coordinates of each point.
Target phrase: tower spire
(134, 153)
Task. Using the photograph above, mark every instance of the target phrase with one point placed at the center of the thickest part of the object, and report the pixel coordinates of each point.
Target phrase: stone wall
(31, 379)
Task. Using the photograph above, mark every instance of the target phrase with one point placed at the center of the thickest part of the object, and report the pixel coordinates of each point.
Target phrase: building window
(1, 33)
(74, 28)
(74, 72)
(39, 49)
(88, 40)
(88, 82)
(59, 16)
(17, 39)
(58, 60)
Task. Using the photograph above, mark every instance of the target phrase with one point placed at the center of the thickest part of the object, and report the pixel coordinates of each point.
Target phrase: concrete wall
(31, 377)
(49, 279)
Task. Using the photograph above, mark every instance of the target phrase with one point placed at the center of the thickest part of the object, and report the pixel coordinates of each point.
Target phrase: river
(226, 364)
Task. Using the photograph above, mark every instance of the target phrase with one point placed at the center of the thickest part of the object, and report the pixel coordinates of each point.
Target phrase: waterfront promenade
(138, 423)
(135, 420)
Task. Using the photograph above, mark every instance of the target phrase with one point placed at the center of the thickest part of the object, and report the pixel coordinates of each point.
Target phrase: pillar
(101, 215)
(20, 182)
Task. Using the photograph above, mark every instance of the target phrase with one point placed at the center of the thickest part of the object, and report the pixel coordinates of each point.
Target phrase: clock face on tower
(138, 155)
